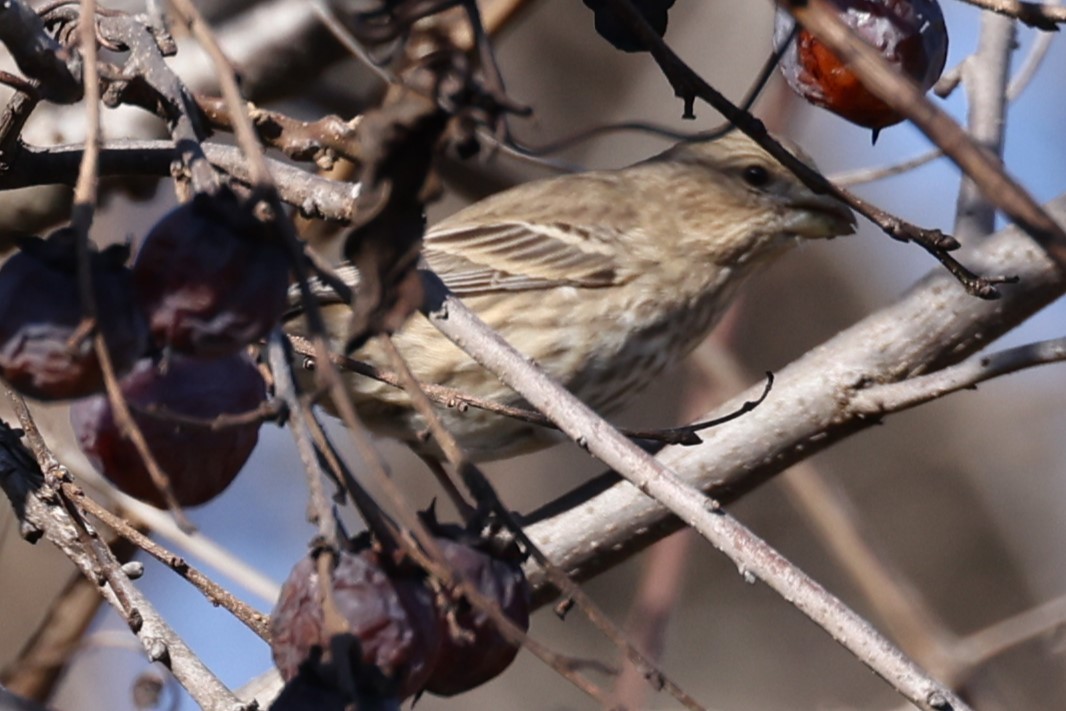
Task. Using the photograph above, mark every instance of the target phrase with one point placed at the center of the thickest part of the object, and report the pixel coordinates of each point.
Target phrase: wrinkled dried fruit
(910, 34)
(483, 653)
(210, 277)
(199, 461)
(389, 614)
(43, 354)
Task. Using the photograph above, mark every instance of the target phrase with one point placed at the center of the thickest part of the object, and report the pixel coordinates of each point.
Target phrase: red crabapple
(199, 460)
(909, 34)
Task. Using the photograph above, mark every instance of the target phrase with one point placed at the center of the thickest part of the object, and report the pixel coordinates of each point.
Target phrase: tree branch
(813, 405)
(754, 558)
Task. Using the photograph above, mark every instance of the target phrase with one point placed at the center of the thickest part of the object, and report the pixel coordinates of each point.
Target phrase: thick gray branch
(986, 73)
(933, 325)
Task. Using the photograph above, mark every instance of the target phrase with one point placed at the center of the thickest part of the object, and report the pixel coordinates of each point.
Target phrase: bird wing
(520, 256)
(503, 256)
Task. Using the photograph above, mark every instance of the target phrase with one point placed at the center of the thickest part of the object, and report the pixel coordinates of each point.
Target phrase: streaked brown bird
(603, 278)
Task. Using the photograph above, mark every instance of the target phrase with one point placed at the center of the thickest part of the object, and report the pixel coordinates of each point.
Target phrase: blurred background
(964, 498)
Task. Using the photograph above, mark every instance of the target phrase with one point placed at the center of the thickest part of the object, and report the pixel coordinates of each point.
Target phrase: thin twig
(452, 398)
(321, 508)
(860, 176)
(986, 644)
(881, 399)
(242, 124)
(215, 593)
(655, 601)
(315, 196)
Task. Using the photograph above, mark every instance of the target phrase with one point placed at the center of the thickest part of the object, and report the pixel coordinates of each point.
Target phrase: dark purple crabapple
(389, 613)
(211, 277)
(483, 653)
(45, 353)
(199, 461)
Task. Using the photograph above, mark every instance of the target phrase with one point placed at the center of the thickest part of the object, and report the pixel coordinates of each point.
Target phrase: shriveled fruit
(45, 352)
(199, 461)
(211, 277)
(909, 34)
(481, 652)
(395, 638)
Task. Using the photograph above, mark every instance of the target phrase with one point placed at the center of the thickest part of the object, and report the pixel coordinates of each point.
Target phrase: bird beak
(821, 216)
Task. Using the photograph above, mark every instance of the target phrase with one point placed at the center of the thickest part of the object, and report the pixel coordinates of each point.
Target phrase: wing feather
(519, 256)
(516, 241)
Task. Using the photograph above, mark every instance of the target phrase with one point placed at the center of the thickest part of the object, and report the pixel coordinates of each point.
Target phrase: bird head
(735, 187)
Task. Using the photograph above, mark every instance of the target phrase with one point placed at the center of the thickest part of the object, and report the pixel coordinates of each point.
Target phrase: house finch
(603, 278)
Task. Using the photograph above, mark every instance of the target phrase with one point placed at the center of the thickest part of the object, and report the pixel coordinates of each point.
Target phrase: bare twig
(992, 641)
(869, 175)
(81, 219)
(450, 397)
(320, 141)
(321, 509)
(881, 399)
(242, 124)
(171, 99)
(215, 593)
(267, 410)
(314, 196)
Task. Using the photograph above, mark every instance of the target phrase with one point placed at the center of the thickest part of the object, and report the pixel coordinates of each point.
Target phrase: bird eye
(756, 176)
